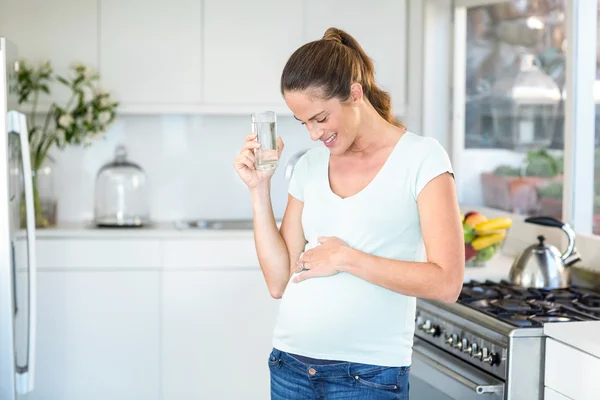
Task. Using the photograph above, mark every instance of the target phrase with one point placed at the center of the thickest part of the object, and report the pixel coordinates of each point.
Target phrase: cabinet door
(550, 394)
(97, 336)
(150, 53)
(61, 31)
(217, 331)
(246, 45)
(379, 26)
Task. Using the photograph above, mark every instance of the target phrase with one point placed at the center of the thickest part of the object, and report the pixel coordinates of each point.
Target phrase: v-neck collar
(360, 192)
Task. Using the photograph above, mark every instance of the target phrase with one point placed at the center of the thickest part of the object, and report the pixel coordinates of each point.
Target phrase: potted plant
(83, 118)
(514, 189)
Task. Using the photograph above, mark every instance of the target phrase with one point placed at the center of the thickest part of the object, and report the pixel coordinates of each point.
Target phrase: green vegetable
(541, 163)
(552, 190)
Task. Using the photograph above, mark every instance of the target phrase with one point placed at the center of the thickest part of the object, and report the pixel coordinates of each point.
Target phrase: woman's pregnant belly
(343, 314)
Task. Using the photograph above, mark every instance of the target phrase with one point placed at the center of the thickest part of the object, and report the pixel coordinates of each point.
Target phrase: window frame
(581, 17)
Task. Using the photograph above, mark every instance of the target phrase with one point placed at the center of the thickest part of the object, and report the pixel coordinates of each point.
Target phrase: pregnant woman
(372, 222)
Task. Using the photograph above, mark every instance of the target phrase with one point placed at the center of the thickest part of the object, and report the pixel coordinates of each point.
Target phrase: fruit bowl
(483, 237)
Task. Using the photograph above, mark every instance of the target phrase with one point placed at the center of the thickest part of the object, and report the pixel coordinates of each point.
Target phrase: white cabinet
(246, 45)
(96, 253)
(579, 379)
(98, 335)
(550, 394)
(191, 56)
(61, 31)
(216, 334)
(150, 53)
(379, 26)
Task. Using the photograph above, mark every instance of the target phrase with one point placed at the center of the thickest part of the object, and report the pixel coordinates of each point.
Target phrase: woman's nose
(315, 133)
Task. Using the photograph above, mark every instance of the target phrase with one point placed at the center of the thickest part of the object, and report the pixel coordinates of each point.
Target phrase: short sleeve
(433, 161)
(298, 178)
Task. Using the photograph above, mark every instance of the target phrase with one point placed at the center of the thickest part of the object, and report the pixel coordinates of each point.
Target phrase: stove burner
(530, 307)
(590, 301)
(516, 306)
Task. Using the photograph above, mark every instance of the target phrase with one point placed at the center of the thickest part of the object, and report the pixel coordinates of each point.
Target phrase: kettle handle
(555, 223)
(545, 221)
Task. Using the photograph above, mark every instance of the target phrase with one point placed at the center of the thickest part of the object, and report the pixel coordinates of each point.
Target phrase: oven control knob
(419, 320)
(449, 340)
(434, 331)
(465, 345)
(468, 350)
(476, 352)
(492, 359)
(458, 345)
(425, 327)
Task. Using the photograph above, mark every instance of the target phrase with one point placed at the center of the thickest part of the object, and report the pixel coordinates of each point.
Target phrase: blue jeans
(292, 379)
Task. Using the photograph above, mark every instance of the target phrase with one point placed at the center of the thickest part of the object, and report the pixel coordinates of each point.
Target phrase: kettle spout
(572, 259)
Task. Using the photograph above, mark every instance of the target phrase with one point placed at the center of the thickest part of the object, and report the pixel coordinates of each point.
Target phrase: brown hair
(331, 65)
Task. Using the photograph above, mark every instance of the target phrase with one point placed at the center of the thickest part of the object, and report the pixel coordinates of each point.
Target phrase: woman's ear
(356, 94)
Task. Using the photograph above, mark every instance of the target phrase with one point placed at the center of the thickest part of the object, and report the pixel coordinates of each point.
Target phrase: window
(514, 107)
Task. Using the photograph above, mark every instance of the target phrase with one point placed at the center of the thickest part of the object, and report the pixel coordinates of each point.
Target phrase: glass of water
(264, 125)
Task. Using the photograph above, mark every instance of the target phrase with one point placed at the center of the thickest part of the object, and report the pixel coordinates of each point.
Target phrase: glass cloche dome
(121, 193)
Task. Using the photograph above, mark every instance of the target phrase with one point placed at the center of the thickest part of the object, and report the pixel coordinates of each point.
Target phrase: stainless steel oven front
(438, 375)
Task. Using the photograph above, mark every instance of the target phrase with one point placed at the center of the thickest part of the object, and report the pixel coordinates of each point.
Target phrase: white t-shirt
(343, 317)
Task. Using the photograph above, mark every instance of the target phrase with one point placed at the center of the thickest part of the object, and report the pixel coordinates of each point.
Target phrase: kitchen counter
(582, 335)
(495, 270)
(163, 229)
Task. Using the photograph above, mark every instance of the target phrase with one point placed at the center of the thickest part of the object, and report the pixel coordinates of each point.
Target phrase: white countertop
(165, 229)
(495, 270)
(582, 335)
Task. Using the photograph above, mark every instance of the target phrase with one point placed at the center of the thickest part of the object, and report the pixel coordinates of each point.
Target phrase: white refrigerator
(17, 239)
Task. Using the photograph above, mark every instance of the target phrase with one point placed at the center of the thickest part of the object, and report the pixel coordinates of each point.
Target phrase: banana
(482, 242)
(493, 225)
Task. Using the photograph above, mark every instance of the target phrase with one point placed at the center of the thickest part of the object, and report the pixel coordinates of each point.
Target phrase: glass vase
(44, 198)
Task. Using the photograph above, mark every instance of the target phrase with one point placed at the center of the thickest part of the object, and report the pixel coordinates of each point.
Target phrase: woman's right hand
(244, 163)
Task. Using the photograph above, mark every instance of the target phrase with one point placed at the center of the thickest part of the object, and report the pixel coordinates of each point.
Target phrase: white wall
(189, 158)
(188, 161)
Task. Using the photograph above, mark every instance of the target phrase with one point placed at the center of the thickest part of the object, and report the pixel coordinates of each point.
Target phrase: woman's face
(332, 121)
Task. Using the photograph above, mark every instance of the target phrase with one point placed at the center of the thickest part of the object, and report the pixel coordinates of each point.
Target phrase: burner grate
(530, 307)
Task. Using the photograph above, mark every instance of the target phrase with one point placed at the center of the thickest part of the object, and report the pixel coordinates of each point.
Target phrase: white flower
(105, 102)
(60, 137)
(78, 66)
(88, 73)
(65, 120)
(104, 117)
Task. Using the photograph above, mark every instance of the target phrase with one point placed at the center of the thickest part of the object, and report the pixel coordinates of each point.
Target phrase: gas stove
(529, 307)
(491, 340)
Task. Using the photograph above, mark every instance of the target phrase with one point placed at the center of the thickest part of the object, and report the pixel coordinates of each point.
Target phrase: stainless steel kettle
(543, 266)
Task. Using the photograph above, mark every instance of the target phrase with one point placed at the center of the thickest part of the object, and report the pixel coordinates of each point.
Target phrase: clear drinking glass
(264, 125)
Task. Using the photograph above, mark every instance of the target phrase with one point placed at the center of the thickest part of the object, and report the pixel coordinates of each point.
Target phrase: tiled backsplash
(188, 160)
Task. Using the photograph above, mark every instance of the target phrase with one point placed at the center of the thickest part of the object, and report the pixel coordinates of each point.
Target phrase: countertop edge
(158, 230)
(581, 335)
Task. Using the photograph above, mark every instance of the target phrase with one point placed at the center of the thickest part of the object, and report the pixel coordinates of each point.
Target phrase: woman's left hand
(323, 260)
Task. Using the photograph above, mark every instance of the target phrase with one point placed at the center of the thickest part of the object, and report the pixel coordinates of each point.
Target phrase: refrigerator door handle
(17, 123)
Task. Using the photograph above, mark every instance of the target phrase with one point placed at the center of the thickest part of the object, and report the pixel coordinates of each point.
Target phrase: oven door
(437, 375)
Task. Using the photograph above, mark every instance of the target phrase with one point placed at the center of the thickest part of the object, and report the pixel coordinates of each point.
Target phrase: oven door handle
(476, 387)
